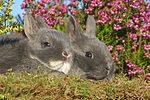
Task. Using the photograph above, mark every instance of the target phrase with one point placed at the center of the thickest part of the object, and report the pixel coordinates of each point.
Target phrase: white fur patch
(55, 65)
(66, 67)
(60, 66)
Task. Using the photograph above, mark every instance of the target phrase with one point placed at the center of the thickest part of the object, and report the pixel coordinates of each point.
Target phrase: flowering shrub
(7, 24)
(123, 25)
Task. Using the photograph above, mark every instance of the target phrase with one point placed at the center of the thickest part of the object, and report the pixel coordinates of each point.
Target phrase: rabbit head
(91, 57)
(47, 46)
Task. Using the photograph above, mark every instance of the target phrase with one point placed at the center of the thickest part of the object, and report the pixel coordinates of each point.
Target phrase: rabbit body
(91, 57)
(75, 53)
(42, 46)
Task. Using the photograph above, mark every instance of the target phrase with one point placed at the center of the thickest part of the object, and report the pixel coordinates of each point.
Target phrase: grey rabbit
(42, 46)
(91, 57)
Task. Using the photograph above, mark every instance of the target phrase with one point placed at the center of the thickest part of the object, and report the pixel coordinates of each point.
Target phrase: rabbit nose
(65, 54)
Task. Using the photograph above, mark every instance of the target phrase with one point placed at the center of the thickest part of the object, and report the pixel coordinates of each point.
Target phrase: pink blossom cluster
(118, 19)
(89, 10)
(136, 70)
(104, 17)
(95, 3)
(133, 36)
(123, 41)
(120, 48)
(117, 27)
(130, 24)
(134, 46)
(73, 12)
(148, 67)
(51, 14)
(148, 76)
(135, 5)
(136, 20)
(144, 31)
(110, 48)
(75, 4)
(117, 7)
(134, 51)
(147, 55)
(136, 27)
(115, 56)
(146, 47)
(130, 65)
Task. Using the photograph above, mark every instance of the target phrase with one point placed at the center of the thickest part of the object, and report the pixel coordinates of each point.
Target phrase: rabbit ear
(73, 30)
(30, 26)
(41, 22)
(90, 27)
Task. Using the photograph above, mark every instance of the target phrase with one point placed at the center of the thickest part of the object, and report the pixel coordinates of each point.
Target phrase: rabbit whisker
(33, 57)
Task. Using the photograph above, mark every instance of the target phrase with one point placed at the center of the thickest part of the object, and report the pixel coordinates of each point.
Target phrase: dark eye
(46, 44)
(89, 55)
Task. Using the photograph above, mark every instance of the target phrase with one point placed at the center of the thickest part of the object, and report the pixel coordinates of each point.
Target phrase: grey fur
(101, 66)
(27, 53)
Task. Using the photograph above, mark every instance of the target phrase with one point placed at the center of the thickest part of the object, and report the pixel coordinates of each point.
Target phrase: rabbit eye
(89, 55)
(46, 44)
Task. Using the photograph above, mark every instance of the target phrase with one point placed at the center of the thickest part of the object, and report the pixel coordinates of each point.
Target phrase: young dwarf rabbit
(42, 46)
(91, 57)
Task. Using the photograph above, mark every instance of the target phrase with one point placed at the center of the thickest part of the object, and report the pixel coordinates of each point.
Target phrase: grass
(43, 87)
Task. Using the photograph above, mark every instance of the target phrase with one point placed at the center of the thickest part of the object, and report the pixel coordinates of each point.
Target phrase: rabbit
(91, 57)
(41, 46)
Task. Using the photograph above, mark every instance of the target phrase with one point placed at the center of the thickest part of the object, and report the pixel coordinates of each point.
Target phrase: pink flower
(86, 1)
(118, 48)
(133, 36)
(136, 20)
(73, 12)
(27, 1)
(119, 62)
(129, 72)
(100, 4)
(23, 6)
(79, 20)
(148, 35)
(129, 65)
(130, 24)
(56, 1)
(110, 48)
(126, 61)
(148, 76)
(136, 27)
(87, 11)
(123, 41)
(146, 47)
(75, 3)
(117, 27)
(148, 67)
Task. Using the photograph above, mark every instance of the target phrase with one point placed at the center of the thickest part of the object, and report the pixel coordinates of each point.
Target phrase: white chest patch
(66, 68)
(55, 65)
(60, 66)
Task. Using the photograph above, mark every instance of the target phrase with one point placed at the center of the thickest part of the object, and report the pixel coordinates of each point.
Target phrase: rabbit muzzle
(108, 74)
(61, 65)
